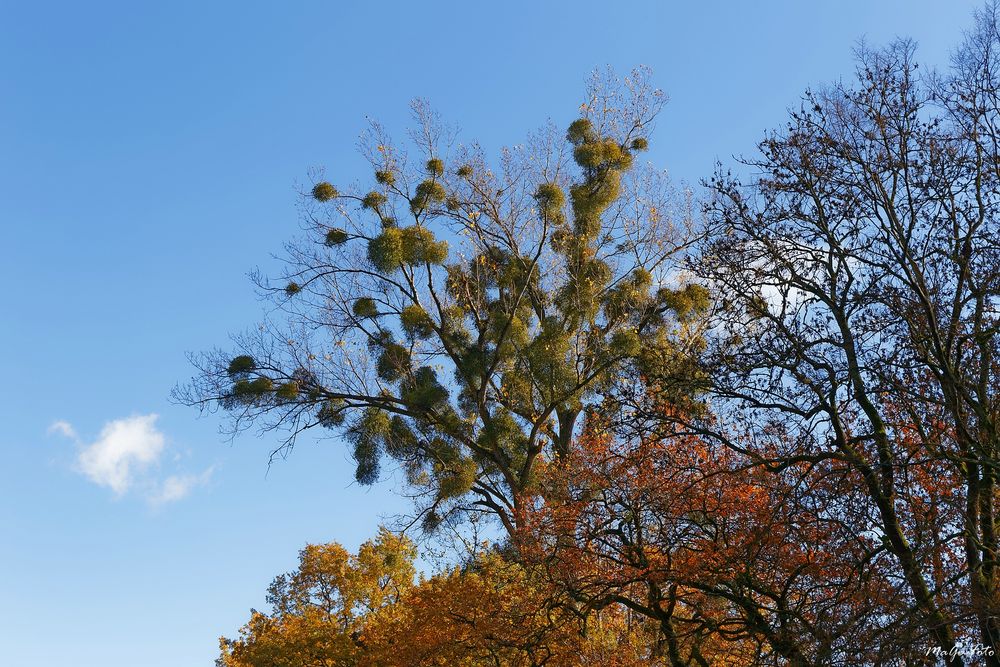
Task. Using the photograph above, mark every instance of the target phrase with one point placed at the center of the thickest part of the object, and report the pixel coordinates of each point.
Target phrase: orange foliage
(340, 610)
(737, 564)
(498, 613)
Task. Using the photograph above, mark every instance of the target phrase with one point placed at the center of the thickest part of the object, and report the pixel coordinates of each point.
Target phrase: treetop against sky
(155, 155)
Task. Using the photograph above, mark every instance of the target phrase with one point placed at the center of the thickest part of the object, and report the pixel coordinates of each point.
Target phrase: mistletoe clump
(626, 343)
(373, 200)
(385, 251)
(367, 435)
(551, 199)
(455, 478)
(393, 362)
(628, 296)
(423, 392)
(428, 192)
(251, 391)
(580, 131)
(332, 413)
(335, 237)
(288, 391)
(324, 192)
(687, 302)
(411, 245)
(435, 167)
(242, 364)
(416, 322)
(364, 308)
(421, 247)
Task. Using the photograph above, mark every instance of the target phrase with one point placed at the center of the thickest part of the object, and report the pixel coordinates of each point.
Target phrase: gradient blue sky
(149, 157)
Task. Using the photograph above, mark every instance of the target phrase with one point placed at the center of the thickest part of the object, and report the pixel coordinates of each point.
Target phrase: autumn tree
(858, 277)
(458, 315)
(496, 611)
(341, 610)
(318, 611)
(733, 563)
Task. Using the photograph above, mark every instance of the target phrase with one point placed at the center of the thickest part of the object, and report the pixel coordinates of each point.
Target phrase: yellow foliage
(344, 610)
(496, 612)
(318, 611)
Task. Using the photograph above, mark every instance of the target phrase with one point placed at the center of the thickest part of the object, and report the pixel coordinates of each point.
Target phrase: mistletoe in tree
(459, 316)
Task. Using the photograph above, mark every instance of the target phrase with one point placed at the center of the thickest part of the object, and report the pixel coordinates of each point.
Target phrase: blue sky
(149, 157)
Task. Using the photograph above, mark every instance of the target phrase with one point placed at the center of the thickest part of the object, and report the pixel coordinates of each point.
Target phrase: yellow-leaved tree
(318, 611)
(496, 611)
(344, 610)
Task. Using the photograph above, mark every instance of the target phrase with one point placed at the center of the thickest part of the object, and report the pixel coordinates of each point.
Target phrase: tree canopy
(340, 610)
(460, 315)
(858, 279)
(767, 435)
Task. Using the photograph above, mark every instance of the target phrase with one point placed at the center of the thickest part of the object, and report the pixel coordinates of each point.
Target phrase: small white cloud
(127, 457)
(63, 428)
(176, 487)
(125, 448)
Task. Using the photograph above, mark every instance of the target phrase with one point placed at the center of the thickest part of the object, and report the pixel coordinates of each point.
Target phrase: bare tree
(858, 276)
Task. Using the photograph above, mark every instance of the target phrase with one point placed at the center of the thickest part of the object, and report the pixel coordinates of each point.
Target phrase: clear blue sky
(149, 157)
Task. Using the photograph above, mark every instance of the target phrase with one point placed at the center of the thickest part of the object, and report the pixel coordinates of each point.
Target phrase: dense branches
(459, 316)
(858, 280)
(789, 457)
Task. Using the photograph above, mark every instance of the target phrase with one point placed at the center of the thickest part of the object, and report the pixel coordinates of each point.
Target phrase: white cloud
(177, 487)
(127, 455)
(125, 448)
(63, 428)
